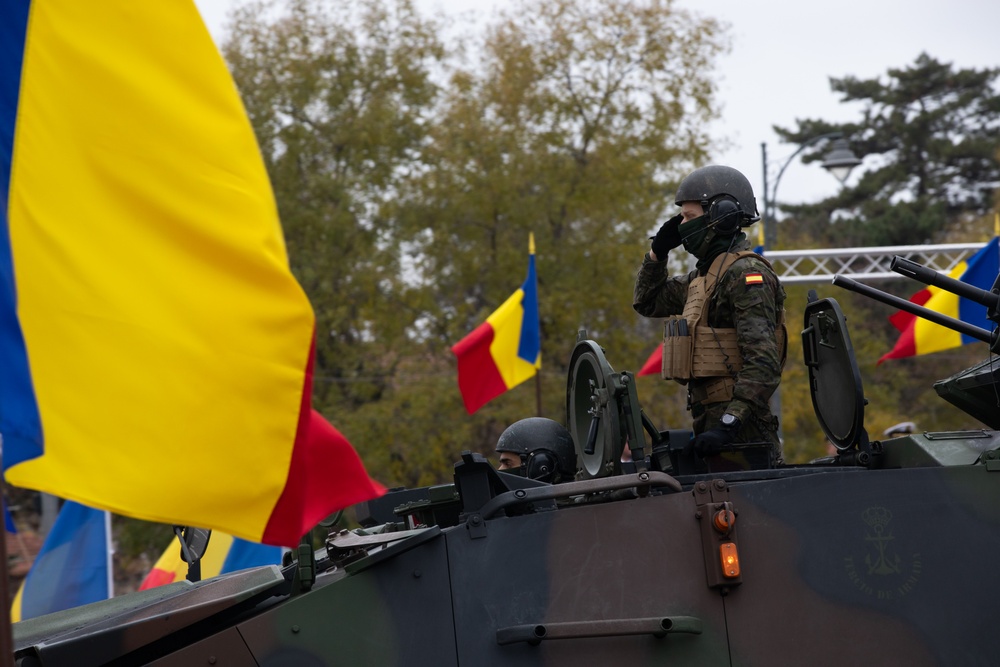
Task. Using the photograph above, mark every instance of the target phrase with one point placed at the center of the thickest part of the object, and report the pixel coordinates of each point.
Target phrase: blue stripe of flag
(243, 554)
(20, 423)
(531, 335)
(981, 272)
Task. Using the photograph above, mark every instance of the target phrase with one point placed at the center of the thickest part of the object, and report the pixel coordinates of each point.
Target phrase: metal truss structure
(868, 264)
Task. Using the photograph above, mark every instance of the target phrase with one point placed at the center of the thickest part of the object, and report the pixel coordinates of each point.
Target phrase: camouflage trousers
(759, 428)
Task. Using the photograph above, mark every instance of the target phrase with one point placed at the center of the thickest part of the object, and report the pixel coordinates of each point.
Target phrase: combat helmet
(545, 447)
(724, 193)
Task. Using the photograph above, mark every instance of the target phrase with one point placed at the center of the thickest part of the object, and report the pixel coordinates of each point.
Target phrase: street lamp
(839, 161)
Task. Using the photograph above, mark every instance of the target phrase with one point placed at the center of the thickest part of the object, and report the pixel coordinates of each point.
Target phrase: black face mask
(701, 239)
(696, 235)
(520, 471)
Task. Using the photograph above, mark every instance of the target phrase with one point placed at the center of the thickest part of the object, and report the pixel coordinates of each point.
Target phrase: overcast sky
(783, 54)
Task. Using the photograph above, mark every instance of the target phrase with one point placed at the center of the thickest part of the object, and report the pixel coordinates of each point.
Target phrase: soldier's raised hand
(667, 237)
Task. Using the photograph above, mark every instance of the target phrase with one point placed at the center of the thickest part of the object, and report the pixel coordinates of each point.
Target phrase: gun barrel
(927, 276)
(926, 313)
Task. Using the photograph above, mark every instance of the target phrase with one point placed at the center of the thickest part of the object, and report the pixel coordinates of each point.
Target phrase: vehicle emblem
(886, 571)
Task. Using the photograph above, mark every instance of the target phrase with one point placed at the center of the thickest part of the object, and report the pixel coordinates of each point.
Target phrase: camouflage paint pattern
(839, 566)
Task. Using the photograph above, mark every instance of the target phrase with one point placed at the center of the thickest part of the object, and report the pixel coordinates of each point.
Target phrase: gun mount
(973, 390)
(989, 300)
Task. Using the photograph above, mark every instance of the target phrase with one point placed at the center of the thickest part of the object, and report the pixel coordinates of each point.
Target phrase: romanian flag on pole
(918, 336)
(155, 349)
(224, 554)
(506, 349)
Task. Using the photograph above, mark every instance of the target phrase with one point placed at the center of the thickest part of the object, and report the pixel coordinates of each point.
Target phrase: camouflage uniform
(751, 309)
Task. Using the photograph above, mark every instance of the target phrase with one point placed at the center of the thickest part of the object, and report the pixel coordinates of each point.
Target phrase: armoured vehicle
(881, 554)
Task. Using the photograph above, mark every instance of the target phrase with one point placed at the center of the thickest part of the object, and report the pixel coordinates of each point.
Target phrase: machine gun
(990, 300)
(974, 390)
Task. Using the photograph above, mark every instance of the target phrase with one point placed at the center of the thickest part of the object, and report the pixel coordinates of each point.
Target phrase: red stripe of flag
(325, 475)
(902, 319)
(906, 345)
(479, 380)
(654, 364)
(157, 578)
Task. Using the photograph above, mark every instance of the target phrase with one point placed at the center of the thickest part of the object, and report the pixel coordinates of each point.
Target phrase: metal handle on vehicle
(659, 626)
(595, 425)
(569, 489)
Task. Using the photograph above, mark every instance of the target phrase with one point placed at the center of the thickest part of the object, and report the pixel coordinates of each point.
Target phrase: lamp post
(839, 161)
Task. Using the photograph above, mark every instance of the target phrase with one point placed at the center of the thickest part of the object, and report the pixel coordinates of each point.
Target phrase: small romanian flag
(224, 554)
(506, 349)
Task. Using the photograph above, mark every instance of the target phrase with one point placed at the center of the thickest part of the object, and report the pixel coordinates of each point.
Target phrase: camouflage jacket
(751, 309)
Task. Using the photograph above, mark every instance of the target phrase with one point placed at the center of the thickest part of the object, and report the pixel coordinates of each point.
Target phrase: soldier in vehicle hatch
(538, 448)
(725, 337)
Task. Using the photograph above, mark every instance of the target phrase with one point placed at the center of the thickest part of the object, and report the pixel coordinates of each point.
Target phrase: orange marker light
(730, 560)
(724, 520)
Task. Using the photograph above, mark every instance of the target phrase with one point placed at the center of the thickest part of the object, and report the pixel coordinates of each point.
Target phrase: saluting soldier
(726, 337)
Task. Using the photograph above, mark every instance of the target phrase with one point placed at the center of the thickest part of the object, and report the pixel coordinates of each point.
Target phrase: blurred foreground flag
(506, 349)
(73, 567)
(224, 554)
(148, 315)
(654, 363)
(918, 336)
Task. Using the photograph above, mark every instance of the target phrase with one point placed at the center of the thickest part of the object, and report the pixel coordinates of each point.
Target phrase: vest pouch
(676, 352)
(716, 353)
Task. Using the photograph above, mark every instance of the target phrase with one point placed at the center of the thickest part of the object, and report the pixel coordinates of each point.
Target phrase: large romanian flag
(506, 349)
(919, 336)
(155, 349)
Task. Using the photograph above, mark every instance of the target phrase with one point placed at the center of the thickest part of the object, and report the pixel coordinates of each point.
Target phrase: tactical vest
(693, 350)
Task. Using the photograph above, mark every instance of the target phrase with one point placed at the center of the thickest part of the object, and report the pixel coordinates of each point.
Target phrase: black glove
(716, 440)
(668, 237)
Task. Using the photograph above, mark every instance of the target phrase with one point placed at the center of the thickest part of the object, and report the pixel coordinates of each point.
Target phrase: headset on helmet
(545, 447)
(541, 465)
(724, 193)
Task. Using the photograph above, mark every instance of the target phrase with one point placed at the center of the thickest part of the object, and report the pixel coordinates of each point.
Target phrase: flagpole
(538, 393)
(109, 550)
(538, 371)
